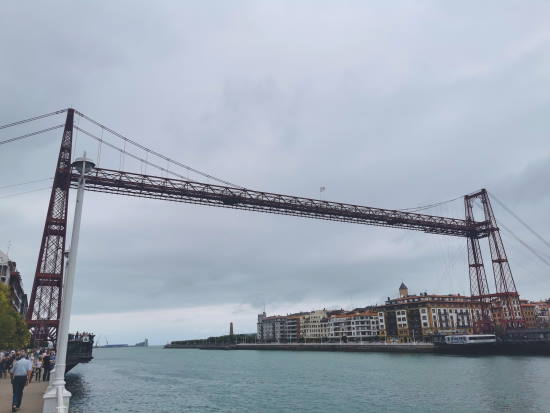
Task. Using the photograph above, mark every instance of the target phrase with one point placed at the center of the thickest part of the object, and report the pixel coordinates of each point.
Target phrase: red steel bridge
(46, 296)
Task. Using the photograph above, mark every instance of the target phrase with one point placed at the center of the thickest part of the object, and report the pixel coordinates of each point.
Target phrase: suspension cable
(8, 125)
(24, 192)
(9, 140)
(429, 206)
(131, 155)
(26, 183)
(124, 138)
(525, 244)
(535, 233)
(509, 231)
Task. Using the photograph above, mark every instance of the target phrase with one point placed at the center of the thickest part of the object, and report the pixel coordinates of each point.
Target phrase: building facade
(528, 309)
(322, 325)
(314, 325)
(499, 311)
(420, 317)
(542, 313)
(407, 318)
(12, 279)
(272, 329)
(357, 326)
(536, 313)
(279, 328)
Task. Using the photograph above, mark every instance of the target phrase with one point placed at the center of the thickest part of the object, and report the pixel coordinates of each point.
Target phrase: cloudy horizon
(390, 106)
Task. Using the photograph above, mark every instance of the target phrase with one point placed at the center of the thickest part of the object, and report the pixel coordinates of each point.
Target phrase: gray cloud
(386, 105)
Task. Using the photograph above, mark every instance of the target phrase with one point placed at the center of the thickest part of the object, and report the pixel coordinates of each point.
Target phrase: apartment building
(12, 278)
(542, 313)
(528, 310)
(536, 313)
(272, 329)
(407, 318)
(356, 325)
(499, 311)
(419, 317)
(314, 325)
(279, 328)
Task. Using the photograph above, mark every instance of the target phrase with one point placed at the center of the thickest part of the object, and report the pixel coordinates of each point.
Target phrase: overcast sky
(387, 104)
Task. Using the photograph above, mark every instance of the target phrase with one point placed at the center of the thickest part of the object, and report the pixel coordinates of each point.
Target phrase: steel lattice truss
(505, 288)
(45, 303)
(147, 186)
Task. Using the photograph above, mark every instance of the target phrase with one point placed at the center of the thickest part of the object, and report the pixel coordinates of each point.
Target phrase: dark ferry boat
(529, 341)
(79, 350)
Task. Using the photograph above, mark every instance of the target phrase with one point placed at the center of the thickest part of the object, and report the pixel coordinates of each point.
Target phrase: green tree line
(14, 333)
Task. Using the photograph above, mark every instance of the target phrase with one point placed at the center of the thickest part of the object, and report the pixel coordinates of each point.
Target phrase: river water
(155, 380)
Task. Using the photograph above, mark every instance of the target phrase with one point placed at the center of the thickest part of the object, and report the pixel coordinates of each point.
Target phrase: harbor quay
(382, 347)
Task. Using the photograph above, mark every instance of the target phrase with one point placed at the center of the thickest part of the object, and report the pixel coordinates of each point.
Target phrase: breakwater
(500, 348)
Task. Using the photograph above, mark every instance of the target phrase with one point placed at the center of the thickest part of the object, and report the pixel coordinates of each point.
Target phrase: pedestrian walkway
(32, 397)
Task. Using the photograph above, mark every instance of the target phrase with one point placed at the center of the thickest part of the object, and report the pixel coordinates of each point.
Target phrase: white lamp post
(56, 398)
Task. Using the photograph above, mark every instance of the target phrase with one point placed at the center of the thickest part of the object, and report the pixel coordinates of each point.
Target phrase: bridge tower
(503, 306)
(45, 303)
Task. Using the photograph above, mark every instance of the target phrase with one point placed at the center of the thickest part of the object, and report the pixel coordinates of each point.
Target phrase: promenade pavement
(32, 397)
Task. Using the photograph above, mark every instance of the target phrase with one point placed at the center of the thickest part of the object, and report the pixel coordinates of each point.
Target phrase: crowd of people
(22, 367)
(84, 336)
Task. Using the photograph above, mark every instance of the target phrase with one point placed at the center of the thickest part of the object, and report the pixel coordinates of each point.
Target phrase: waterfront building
(528, 310)
(407, 318)
(357, 325)
(12, 279)
(536, 314)
(260, 326)
(294, 327)
(278, 328)
(542, 313)
(314, 325)
(271, 329)
(499, 311)
(420, 317)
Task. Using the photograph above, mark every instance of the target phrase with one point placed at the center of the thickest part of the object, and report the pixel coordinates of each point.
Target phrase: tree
(14, 333)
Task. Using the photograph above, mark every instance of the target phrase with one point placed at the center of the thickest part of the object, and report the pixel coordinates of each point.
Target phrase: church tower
(403, 290)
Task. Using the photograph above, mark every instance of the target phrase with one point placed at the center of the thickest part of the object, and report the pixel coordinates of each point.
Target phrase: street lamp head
(83, 165)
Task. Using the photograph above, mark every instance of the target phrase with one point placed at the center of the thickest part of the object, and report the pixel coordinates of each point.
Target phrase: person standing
(46, 366)
(30, 357)
(21, 371)
(8, 361)
(37, 367)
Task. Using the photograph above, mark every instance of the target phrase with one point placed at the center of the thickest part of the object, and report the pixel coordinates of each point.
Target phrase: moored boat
(79, 350)
(467, 344)
(526, 341)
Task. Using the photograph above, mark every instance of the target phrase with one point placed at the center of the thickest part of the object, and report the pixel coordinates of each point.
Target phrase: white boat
(467, 344)
(471, 339)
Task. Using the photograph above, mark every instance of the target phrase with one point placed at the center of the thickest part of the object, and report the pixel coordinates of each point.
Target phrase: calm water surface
(157, 380)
